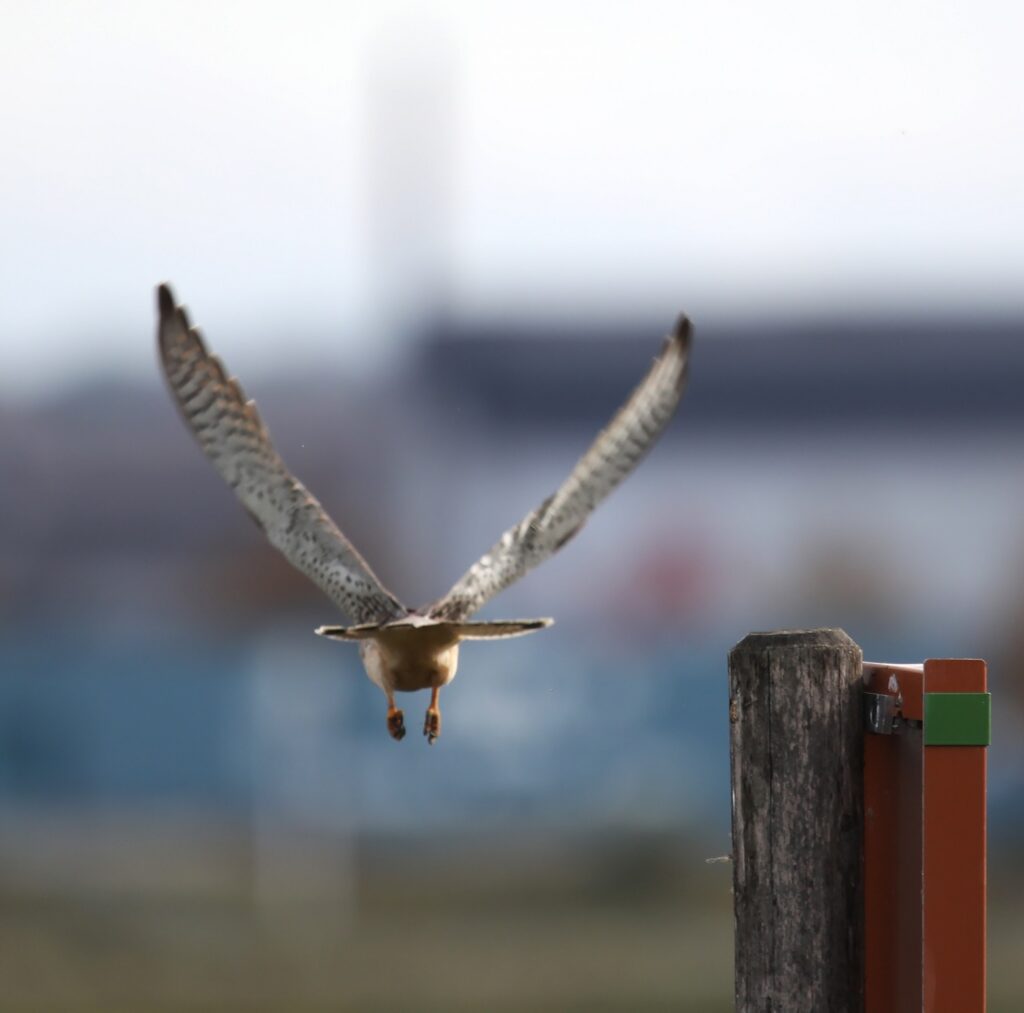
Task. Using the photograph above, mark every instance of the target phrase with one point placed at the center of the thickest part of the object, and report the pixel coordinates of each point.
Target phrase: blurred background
(440, 243)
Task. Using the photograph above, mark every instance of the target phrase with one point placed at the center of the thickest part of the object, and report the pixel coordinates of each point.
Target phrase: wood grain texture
(796, 741)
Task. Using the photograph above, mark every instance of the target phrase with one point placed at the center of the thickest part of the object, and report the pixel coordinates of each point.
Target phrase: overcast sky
(308, 174)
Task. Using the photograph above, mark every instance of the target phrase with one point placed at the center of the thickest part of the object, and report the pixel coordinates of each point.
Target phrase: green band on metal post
(957, 719)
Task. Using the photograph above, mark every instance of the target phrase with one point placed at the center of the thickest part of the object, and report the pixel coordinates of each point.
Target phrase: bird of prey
(402, 649)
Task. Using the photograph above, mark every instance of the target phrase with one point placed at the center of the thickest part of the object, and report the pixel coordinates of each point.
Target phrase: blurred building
(854, 473)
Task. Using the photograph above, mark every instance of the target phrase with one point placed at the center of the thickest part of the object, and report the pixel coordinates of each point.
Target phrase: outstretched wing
(613, 455)
(232, 434)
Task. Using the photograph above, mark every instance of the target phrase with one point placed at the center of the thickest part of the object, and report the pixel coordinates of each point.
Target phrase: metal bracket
(882, 713)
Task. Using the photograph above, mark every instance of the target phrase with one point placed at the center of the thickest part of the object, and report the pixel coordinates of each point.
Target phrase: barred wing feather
(613, 455)
(232, 434)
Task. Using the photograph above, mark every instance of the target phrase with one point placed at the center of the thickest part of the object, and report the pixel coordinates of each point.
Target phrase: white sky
(723, 158)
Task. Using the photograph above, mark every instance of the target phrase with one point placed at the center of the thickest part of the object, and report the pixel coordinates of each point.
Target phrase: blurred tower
(411, 167)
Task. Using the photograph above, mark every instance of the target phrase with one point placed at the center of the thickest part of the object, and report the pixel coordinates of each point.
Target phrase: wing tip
(682, 331)
(174, 326)
(171, 311)
(164, 299)
(677, 346)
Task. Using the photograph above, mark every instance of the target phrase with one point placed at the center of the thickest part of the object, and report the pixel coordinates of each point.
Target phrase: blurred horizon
(870, 452)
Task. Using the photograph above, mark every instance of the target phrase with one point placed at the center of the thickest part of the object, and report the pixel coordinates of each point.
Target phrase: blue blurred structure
(836, 473)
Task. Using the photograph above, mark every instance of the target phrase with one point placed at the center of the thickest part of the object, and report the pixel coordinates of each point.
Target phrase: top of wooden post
(796, 638)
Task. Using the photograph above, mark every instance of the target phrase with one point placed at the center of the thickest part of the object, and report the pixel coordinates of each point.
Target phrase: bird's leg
(396, 720)
(432, 724)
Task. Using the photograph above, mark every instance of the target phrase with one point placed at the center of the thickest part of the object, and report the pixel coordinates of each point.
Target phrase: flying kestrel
(402, 649)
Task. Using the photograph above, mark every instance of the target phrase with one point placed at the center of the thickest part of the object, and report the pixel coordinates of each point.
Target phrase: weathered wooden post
(796, 738)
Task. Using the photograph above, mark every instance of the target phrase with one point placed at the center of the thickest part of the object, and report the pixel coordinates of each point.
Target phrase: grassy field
(172, 919)
(203, 921)
(189, 958)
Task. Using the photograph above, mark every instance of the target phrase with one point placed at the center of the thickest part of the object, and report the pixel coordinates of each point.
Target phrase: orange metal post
(924, 850)
(954, 857)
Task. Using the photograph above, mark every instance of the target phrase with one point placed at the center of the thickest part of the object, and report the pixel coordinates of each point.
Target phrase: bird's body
(408, 656)
(419, 652)
(402, 650)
